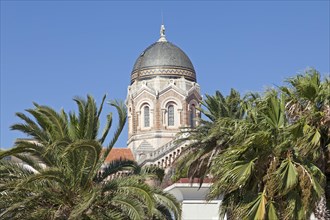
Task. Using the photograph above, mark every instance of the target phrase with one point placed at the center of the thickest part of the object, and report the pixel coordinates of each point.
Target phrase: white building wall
(200, 210)
(194, 205)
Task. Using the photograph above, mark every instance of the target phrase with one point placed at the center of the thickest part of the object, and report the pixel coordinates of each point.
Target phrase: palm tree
(308, 104)
(196, 159)
(65, 179)
(268, 161)
(262, 174)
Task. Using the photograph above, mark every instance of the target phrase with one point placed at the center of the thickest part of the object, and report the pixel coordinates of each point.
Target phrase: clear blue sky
(52, 51)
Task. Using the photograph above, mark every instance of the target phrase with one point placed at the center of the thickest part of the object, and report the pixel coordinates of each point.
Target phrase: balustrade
(164, 156)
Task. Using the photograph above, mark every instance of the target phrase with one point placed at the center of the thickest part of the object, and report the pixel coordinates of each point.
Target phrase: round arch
(171, 112)
(144, 114)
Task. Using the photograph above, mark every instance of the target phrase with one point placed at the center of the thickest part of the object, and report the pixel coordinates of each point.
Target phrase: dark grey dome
(163, 54)
(165, 59)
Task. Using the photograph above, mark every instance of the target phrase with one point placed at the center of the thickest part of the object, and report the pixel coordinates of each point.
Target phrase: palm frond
(257, 208)
(122, 114)
(114, 167)
(288, 175)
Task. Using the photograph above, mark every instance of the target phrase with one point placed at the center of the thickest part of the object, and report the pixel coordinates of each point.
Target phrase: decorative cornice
(152, 72)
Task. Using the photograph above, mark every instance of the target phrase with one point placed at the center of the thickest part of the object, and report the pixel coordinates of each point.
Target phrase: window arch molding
(171, 109)
(144, 102)
(173, 100)
(144, 113)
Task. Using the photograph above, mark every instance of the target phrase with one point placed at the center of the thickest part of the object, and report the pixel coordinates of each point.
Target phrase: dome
(163, 58)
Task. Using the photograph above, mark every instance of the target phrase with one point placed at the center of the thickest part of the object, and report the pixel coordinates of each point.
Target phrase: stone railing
(158, 154)
(164, 155)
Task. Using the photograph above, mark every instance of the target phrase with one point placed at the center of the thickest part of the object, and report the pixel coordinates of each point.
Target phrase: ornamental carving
(146, 73)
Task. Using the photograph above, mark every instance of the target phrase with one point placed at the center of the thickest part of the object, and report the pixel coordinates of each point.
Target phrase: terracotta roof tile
(119, 153)
(196, 180)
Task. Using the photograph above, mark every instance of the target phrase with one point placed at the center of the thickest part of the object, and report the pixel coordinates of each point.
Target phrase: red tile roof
(119, 153)
(196, 180)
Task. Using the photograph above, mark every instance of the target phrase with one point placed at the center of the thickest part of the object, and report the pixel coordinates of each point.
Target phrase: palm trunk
(321, 212)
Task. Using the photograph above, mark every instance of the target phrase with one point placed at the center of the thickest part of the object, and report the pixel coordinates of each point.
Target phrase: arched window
(146, 116)
(170, 115)
(192, 116)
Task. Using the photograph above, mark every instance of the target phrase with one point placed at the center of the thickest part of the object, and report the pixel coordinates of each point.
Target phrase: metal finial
(162, 34)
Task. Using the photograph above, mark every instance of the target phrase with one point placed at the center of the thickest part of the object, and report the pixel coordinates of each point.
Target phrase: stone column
(138, 115)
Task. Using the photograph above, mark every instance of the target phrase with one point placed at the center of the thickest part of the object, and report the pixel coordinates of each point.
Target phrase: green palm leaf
(271, 211)
(257, 208)
(288, 175)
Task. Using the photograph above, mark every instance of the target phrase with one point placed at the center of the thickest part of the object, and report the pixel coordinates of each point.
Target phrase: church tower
(161, 101)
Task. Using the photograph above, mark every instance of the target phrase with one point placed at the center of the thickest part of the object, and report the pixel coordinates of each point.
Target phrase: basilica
(163, 98)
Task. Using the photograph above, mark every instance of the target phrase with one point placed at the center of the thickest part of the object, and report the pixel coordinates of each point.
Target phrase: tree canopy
(63, 174)
(268, 153)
